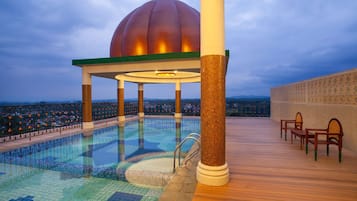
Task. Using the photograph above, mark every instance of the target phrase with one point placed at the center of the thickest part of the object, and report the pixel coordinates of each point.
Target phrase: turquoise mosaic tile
(84, 168)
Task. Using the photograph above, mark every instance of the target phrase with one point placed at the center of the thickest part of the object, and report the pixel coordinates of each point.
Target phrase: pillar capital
(121, 84)
(86, 77)
(141, 86)
(178, 86)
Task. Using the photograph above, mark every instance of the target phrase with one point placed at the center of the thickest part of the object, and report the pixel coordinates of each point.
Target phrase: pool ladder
(192, 136)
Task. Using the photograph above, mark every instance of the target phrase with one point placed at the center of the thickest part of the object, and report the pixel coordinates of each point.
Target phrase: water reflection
(97, 153)
(178, 131)
(141, 133)
(87, 150)
(121, 144)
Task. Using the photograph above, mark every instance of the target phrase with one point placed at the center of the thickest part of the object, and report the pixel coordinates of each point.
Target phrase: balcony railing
(45, 117)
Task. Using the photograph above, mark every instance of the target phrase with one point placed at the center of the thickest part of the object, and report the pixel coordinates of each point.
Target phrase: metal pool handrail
(193, 136)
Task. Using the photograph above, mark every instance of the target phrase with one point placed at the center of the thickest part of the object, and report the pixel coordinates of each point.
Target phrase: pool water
(83, 166)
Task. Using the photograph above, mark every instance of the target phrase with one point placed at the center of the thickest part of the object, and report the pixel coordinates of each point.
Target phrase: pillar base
(88, 125)
(141, 114)
(178, 120)
(212, 175)
(121, 118)
(178, 115)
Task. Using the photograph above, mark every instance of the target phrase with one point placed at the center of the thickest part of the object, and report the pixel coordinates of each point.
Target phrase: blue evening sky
(272, 42)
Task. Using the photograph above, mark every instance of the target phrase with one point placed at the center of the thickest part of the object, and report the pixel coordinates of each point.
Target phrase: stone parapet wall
(338, 88)
(319, 100)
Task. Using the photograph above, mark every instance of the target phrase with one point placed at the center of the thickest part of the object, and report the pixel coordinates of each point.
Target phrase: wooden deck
(265, 167)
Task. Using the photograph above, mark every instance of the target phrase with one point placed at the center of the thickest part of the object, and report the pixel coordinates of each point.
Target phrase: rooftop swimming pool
(84, 166)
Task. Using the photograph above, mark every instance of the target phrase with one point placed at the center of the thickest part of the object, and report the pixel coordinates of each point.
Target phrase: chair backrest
(334, 127)
(298, 121)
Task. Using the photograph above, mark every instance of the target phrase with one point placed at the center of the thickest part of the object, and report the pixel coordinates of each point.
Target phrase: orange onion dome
(158, 26)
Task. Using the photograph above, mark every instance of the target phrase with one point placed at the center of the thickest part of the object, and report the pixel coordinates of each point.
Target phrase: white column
(212, 169)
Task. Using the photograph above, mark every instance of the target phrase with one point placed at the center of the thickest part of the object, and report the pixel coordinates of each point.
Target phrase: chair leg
(285, 128)
(340, 151)
(315, 149)
(315, 155)
(339, 156)
(307, 147)
(327, 149)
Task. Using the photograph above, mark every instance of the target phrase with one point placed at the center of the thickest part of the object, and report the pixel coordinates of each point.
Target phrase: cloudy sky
(271, 43)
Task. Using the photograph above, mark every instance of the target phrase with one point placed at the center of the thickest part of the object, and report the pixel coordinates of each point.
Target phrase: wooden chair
(332, 135)
(284, 124)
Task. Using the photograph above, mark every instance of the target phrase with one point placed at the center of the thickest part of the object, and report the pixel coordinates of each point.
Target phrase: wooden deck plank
(265, 167)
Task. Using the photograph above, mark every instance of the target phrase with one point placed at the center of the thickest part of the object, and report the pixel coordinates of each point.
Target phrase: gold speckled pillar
(213, 169)
(121, 112)
(140, 100)
(178, 113)
(87, 100)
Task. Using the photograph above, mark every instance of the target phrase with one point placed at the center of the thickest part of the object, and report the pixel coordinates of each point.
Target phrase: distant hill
(248, 97)
(5, 103)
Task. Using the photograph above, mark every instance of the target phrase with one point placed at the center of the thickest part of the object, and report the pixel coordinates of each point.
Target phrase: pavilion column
(141, 100)
(213, 169)
(87, 100)
(121, 112)
(178, 113)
